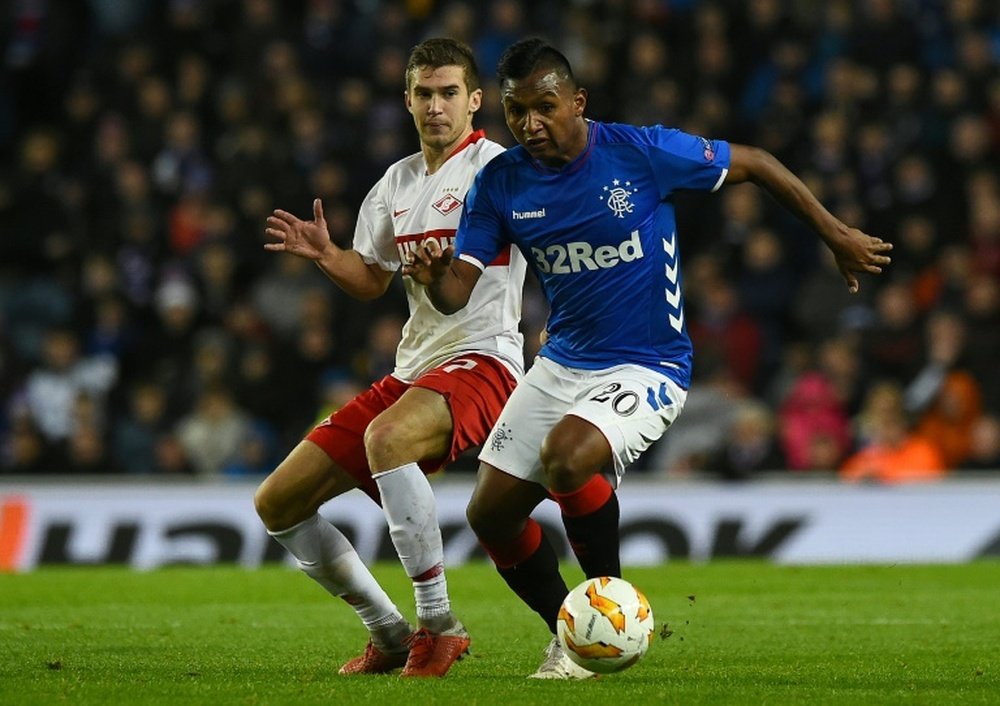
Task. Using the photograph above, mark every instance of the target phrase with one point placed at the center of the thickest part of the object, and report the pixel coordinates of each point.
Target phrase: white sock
(411, 511)
(326, 556)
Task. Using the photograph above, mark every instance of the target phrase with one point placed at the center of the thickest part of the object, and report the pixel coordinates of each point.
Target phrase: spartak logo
(446, 204)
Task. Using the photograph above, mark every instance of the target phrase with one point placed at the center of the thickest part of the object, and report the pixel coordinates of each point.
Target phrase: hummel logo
(397, 214)
(521, 215)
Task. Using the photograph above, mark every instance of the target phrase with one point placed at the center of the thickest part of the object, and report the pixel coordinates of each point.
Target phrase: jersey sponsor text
(579, 255)
(409, 243)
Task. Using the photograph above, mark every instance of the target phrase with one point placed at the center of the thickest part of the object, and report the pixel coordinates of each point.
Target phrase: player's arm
(311, 240)
(854, 250)
(449, 281)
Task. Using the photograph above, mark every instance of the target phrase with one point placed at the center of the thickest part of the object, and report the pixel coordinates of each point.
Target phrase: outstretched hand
(855, 252)
(308, 239)
(428, 262)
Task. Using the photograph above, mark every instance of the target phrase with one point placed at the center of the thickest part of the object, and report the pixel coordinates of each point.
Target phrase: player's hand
(308, 239)
(855, 252)
(428, 262)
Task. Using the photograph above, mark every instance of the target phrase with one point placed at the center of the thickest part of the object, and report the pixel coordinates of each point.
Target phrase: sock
(325, 555)
(590, 515)
(410, 509)
(530, 567)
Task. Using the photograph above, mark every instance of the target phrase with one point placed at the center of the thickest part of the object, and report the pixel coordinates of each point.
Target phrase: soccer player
(451, 378)
(590, 205)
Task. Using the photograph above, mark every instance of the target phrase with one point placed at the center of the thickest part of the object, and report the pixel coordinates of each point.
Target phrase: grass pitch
(729, 633)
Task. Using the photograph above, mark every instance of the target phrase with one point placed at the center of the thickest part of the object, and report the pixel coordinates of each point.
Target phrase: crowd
(144, 329)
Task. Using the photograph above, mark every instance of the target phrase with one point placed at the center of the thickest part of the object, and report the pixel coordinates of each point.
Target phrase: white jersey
(408, 205)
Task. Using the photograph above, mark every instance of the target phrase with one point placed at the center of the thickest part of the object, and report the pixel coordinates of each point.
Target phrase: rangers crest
(618, 197)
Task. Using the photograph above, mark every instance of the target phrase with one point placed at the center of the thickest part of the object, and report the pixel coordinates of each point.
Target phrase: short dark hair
(444, 51)
(524, 57)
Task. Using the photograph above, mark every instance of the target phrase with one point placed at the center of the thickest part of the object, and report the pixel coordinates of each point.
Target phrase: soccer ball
(605, 624)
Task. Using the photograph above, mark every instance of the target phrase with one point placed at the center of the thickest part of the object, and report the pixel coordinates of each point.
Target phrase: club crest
(618, 197)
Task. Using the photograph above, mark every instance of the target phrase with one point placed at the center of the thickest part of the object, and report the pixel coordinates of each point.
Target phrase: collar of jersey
(474, 136)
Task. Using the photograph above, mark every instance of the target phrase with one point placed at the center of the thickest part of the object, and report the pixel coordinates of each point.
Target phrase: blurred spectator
(215, 432)
(378, 358)
(750, 445)
(140, 428)
(742, 210)
(984, 449)
(52, 389)
(264, 389)
(278, 294)
(822, 303)
(720, 330)
(797, 358)
(25, 451)
(815, 431)
(87, 452)
(647, 60)
(839, 362)
(917, 246)
(181, 167)
(982, 316)
(37, 206)
(216, 268)
(111, 333)
(171, 456)
(949, 421)
(918, 189)
(885, 34)
(893, 344)
(985, 233)
(891, 452)
(902, 108)
(211, 364)
(258, 454)
(944, 398)
(765, 286)
(504, 26)
(167, 346)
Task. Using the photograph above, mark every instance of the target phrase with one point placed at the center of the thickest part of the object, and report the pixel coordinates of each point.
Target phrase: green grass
(731, 633)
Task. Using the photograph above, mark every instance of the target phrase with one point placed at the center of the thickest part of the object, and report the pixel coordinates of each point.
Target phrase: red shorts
(475, 386)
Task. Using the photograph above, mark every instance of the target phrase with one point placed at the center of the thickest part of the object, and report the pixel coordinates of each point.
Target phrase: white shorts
(631, 405)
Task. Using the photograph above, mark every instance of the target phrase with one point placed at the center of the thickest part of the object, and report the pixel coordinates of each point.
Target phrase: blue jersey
(600, 235)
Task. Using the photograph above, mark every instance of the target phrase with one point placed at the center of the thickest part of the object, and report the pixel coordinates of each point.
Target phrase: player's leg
(573, 455)
(617, 415)
(447, 410)
(418, 426)
(509, 486)
(288, 502)
(499, 513)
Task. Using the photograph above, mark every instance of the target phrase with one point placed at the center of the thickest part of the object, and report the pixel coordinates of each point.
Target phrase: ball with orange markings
(605, 624)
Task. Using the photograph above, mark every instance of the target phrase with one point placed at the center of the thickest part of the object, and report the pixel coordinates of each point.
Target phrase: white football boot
(557, 665)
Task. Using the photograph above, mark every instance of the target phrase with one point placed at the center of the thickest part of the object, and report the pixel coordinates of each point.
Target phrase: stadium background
(146, 335)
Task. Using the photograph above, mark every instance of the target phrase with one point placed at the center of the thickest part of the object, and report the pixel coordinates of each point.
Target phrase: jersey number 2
(460, 364)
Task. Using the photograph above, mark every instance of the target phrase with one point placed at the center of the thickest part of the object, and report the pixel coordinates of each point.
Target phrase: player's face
(544, 113)
(441, 105)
